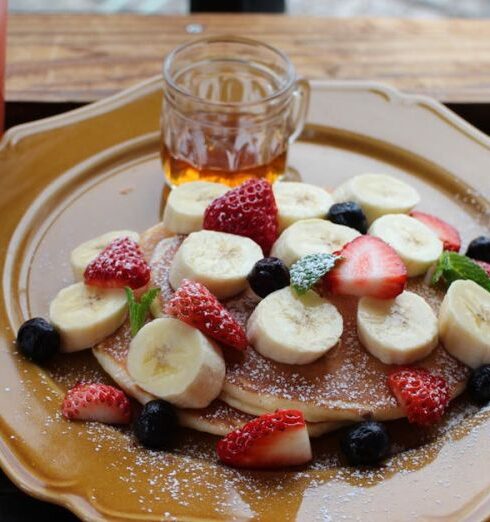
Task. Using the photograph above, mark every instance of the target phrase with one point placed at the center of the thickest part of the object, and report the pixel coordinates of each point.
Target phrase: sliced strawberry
(369, 267)
(194, 304)
(483, 264)
(445, 232)
(96, 402)
(272, 440)
(422, 395)
(248, 210)
(120, 264)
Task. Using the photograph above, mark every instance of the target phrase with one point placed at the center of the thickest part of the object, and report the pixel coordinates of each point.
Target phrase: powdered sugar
(190, 474)
(160, 264)
(347, 378)
(118, 344)
(170, 481)
(219, 411)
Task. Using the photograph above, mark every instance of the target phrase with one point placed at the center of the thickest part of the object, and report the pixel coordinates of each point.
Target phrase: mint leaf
(134, 311)
(438, 272)
(442, 266)
(309, 269)
(452, 266)
(139, 311)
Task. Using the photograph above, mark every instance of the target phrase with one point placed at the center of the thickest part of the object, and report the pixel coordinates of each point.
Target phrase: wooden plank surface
(78, 58)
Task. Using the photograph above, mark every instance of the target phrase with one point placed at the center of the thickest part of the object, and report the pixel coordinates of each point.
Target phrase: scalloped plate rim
(14, 467)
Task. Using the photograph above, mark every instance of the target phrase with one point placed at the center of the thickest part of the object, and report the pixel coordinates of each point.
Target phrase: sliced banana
(83, 254)
(464, 323)
(218, 260)
(397, 331)
(85, 315)
(176, 362)
(184, 210)
(416, 244)
(311, 236)
(293, 329)
(296, 201)
(378, 194)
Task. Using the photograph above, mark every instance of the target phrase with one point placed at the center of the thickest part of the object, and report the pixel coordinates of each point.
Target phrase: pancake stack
(345, 385)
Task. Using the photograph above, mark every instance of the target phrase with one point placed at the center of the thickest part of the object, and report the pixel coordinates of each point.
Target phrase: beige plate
(68, 178)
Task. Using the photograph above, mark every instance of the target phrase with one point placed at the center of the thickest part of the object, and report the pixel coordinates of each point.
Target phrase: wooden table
(85, 57)
(57, 62)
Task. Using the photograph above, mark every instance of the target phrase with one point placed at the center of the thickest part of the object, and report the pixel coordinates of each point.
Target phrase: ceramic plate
(74, 176)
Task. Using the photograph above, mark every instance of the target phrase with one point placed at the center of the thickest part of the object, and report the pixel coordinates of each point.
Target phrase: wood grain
(78, 58)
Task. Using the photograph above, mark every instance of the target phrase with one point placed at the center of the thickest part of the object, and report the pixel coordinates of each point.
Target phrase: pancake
(346, 384)
(218, 418)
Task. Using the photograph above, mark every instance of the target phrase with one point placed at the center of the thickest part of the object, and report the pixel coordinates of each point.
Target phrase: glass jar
(231, 106)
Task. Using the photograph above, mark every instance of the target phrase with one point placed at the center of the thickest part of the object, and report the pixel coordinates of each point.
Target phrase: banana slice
(397, 331)
(219, 261)
(464, 323)
(311, 236)
(416, 244)
(184, 211)
(176, 362)
(296, 201)
(293, 329)
(83, 254)
(85, 315)
(378, 194)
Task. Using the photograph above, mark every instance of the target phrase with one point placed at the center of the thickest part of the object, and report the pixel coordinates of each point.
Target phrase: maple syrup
(178, 171)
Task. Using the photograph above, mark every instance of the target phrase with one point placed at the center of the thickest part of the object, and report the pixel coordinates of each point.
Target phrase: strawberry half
(248, 210)
(445, 232)
(195, 305)
(272, 440)
(120, 264)
(96, 402)
(370, 267)
(422, 395)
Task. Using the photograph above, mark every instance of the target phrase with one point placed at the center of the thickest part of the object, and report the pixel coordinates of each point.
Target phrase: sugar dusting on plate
(238, 494)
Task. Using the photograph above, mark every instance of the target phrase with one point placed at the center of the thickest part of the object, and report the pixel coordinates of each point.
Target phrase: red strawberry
(445, 232)
(424, 396)
(483, 264)
(369, 267)
(194, 304)
(272, 440)
(120, 264)
(96, 402)
(248, 210)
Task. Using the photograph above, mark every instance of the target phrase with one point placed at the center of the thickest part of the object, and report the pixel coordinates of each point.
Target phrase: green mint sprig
(309, 269)
(139, 311)
(452, 266)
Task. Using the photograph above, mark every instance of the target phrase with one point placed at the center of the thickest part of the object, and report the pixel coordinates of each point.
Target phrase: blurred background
(340, 8)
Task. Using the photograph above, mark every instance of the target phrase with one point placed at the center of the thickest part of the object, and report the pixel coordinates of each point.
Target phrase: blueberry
(268, 275)
(479, 249)
(479, 385)
(349, 214)
(38, 340)
(156, 425)
(366, 443)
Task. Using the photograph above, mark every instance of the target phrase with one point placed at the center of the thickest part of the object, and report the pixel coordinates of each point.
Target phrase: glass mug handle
(301, 102)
